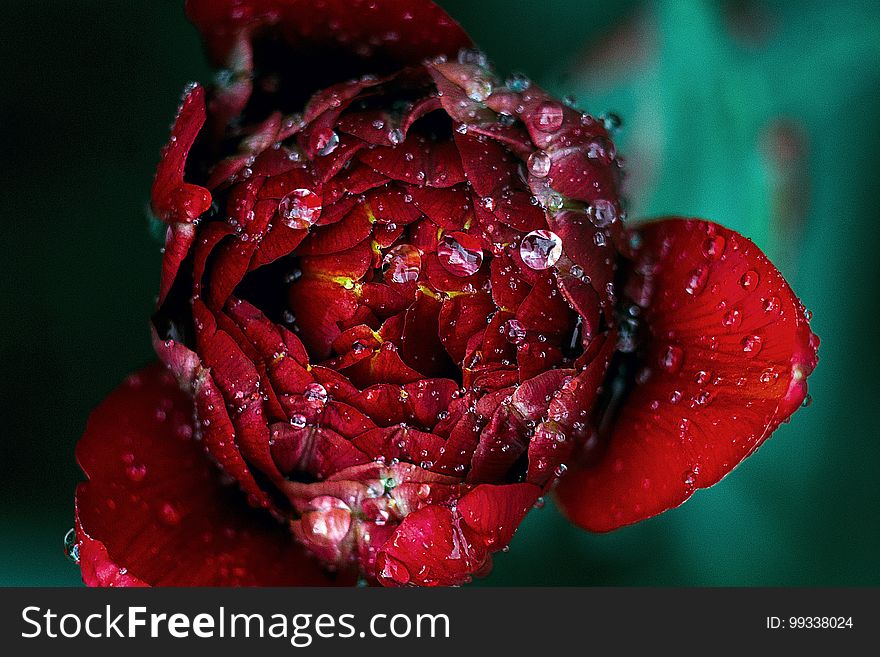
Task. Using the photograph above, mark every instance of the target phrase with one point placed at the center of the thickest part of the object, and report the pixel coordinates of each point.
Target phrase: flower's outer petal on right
(727, 361)
(154, 511)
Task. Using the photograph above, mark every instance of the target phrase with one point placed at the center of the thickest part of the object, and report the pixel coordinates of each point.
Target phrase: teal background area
(761, 116)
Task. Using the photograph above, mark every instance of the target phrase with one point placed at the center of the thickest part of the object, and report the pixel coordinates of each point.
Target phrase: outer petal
(446, 545)
(398, 32)
(726, 361)
(154, 512)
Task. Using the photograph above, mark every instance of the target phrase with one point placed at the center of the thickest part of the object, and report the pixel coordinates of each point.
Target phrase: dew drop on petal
(460, 254)
(514, 331)
(713, 247)
(297, 421)
(330, 145)
(751, 344)
(611, 121)
(547, 117)
(672, 358)
(169, 515)
(472, 57)
(478, 88)
(602, 213)
(136, 472)
(749, 280)
(539, 164)
(697, 281)
(541, 249)
(518, 82)
(315, 394)
(402, 264)
(731, 318)
(300, 209)
(601, 150)
(771, 304)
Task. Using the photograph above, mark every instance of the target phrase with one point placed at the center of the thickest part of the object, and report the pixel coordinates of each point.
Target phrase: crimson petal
(153, 510)
(446, 545)
(395, 33)
(728, 357)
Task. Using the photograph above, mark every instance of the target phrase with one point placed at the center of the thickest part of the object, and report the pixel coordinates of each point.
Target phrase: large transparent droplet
(547, 117)
(541, 249)
(315, 394)
(300, 209)
(539, 164)
(402, 264)
(460, 254)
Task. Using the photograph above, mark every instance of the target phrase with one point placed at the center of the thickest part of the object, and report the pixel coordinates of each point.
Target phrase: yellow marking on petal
(428, 292)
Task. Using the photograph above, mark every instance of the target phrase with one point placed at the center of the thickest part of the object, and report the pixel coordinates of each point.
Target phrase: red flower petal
(174, 200)
(729, 354)
(394, 33)
(442, 546)
(154, 511)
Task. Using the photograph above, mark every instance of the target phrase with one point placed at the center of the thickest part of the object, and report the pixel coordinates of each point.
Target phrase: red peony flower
(397, 303)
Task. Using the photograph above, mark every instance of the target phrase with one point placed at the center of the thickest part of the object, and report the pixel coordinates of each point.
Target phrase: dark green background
(88, 91)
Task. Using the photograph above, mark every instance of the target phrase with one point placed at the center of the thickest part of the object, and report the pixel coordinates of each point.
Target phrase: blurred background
(759, 115)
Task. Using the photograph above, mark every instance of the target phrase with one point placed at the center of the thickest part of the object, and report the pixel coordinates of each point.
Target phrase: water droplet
(671, 360)
(731, 318)
(697, 281)
(601, 149)
(770, 304)
(300, 209)
(298, 421)
(460, 254)
(611, 121)
(402, 264)
(539, 164)
(541, 249)
(315, 394)
(547, 117)
(518, 82)
(807, 401)
(472, 57)
(751, 344)
(602, 213)
(136, 472)
(478, 88)
(599, 238)
(768, 376)
(169, 515)
(749, 280)
(514, 331)
(71, 546)
(396, 136)
(713, 247)
(330, 145)
(689, 478)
